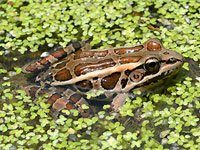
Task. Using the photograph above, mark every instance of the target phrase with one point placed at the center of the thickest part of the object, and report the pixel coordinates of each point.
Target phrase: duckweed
(26, 26)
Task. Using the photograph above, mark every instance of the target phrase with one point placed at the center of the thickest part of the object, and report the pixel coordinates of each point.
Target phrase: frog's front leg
(118, 101)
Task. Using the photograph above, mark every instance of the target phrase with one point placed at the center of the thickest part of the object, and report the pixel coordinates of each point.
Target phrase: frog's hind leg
(54, 57)
(69, 100)
(60, 99)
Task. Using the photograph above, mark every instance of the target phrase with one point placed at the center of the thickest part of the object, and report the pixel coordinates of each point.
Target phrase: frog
(67, 75)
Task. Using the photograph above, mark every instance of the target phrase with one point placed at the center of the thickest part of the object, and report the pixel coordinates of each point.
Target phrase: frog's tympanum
(68, 74)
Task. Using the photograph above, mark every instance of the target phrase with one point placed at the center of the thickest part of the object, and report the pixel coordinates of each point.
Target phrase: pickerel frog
(68, 74)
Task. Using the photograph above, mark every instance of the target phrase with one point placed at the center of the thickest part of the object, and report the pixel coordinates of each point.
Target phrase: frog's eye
(152, 65)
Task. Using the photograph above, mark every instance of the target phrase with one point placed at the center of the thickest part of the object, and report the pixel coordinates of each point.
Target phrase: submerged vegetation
(156, 121)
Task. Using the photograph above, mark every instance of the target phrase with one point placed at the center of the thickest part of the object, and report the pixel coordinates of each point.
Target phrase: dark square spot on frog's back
(63, 75)
(109, 82)
(84, 86)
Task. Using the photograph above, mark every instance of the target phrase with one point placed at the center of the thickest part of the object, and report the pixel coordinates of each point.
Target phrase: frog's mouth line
(158, 79)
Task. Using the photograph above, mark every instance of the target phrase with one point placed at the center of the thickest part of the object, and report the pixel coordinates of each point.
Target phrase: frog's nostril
(172, 61)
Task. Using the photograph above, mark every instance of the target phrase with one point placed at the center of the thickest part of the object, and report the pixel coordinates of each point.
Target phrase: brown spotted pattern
(73, 71)
(110, 81)
(84, 86)
(153, 46)
(121, 51)
(50, 59)
(87, 54)
(126, 60)
(63, 75)
(89, 67)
